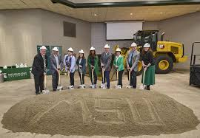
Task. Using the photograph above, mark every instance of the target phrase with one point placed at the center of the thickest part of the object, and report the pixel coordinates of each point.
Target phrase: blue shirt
(72, 61)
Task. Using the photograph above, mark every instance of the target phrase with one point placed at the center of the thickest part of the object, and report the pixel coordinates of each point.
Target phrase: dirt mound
(93, 112)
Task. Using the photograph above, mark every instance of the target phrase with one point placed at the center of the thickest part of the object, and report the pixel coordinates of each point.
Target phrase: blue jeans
(107, 78)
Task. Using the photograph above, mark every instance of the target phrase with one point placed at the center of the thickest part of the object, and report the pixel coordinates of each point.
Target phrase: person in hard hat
(119, 66)
(55, 60)
(132, 64)
(106, 58)
(39, 69)
(81, 63)
(70, 64)
(92, 61)
(148, 66)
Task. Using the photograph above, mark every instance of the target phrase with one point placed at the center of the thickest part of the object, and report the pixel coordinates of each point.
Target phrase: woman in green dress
(119, 66)
(93, 67)
(148, 66)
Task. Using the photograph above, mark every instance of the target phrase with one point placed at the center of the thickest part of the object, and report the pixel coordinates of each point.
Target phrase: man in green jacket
(119, 66)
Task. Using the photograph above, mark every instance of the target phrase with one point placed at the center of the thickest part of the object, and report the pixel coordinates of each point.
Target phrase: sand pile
(109, 113)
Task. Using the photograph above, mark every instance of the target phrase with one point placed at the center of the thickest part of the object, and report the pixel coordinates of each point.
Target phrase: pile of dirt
(96, 112)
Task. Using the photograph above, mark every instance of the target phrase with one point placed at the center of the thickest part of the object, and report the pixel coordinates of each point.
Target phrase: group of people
(70, 62)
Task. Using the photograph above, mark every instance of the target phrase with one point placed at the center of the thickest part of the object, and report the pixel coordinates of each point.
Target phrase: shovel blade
(128, 87)
(142, 87)
(81, 87)
(45, 91)
(60, 88)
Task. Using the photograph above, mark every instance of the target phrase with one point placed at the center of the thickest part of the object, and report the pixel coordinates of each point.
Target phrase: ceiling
(103, 14)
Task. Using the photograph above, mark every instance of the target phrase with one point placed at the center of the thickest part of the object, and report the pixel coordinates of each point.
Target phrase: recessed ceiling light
(131, 14)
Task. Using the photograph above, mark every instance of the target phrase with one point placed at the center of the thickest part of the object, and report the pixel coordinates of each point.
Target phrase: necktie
(130, 60)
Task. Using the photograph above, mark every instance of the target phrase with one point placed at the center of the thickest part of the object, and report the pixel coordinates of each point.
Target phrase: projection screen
(122, 30)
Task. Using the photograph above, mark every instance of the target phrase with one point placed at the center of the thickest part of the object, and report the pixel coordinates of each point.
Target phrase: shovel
(67, 75)
(81, 86)
(103, 80)
(93, 85)
(45, 91)
(142, 87)
(68, 72)
(118, 86)
(129, 76)
(60, 87)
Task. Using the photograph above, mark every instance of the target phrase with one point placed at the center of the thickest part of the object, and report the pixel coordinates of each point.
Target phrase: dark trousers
(83, 78)
(120, 74)
(39, 83)
(107, 78)
(94, 79)
(55, 78)
(72, 78)
(133, 81)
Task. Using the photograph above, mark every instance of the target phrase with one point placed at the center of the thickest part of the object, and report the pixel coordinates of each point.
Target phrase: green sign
(16, 74)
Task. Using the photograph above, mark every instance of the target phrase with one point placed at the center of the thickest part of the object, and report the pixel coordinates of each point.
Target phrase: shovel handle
(68, 73)
(144, 76)
(59, 80)
(92, 76)
(117, 76)
(81, 78)
(103, 75)
(45, 81)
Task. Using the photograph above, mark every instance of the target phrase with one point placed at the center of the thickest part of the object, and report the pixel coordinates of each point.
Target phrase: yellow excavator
(166, 53)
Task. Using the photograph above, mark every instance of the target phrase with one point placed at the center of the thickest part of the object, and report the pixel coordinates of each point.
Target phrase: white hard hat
(43, 48)
(118, 50)
(81, 52)
(70, 49)
(133, 44)
(55, 49)
(147, 45)
(92, 48)
(106, 46)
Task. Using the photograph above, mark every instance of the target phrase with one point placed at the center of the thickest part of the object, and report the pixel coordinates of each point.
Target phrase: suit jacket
(38, 65)
(53, 66)
(106, 60)
(83, 64)
(134, 61)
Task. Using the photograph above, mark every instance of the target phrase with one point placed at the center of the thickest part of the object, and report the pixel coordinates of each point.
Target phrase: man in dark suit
(39, 69)
(55, 61)
(106, 58)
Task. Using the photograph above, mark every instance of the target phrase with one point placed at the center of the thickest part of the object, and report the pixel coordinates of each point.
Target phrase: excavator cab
(147, 36)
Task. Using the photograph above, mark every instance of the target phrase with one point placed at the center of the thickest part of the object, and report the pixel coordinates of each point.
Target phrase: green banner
(16, 74)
